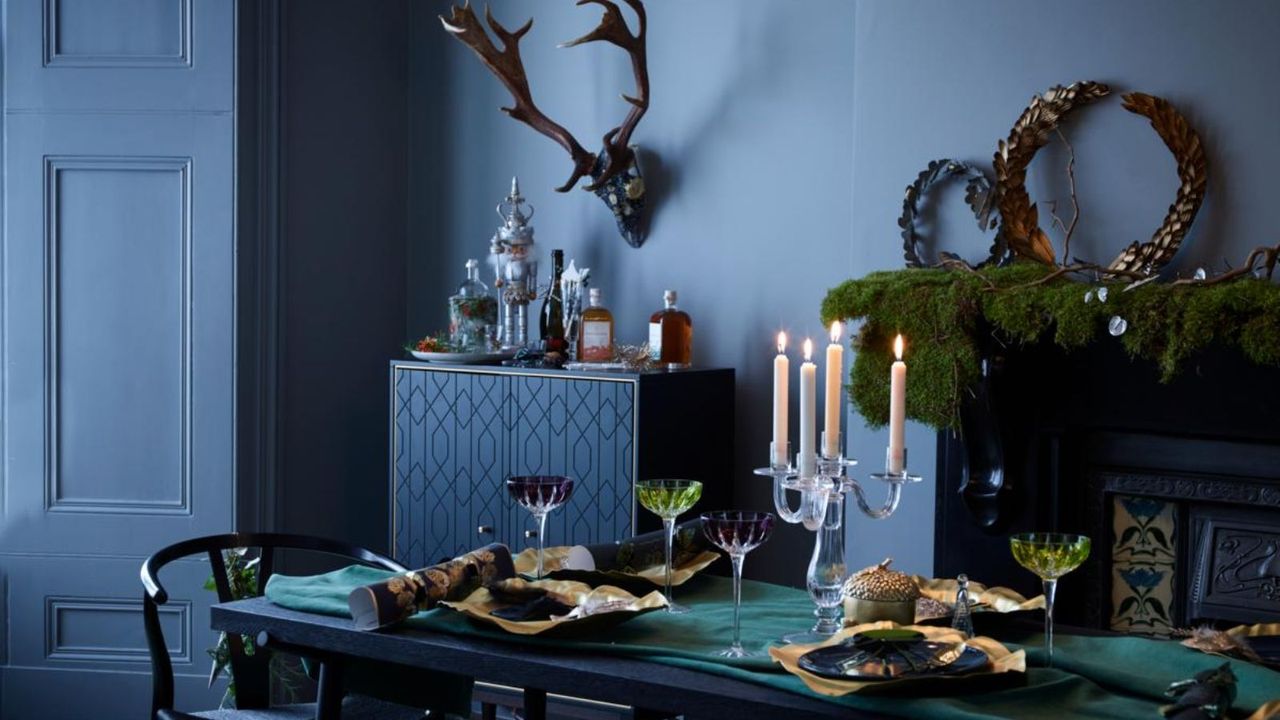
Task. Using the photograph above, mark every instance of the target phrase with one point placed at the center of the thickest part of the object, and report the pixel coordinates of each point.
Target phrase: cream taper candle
(897, 410)
(835, 378)
(808, 418)
(781, 397)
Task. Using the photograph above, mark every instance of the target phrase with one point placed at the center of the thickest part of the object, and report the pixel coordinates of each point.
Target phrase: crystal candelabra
(822, 510)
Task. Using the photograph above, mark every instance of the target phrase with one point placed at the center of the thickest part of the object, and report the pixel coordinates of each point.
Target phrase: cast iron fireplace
(1178, 484)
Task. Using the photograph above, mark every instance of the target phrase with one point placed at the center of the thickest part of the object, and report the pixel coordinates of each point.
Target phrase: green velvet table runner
(1094, 677)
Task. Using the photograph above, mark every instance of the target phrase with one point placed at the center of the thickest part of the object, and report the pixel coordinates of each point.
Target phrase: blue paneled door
(117, 341)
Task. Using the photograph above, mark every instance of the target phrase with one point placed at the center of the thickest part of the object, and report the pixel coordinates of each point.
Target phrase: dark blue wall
(343, 256)
(785, 132)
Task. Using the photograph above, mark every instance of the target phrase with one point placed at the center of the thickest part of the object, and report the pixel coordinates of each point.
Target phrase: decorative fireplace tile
(1143, 564)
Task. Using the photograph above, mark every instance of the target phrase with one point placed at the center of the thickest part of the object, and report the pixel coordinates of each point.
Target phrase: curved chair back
(251, 672)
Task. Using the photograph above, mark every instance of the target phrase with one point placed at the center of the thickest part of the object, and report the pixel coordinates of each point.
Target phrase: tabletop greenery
(946, 314)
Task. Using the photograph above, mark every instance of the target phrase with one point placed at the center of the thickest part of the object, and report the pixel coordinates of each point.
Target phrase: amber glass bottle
(671, 334)
(595, 343)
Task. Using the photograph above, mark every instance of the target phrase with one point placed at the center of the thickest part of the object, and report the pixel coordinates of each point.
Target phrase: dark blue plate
(865, 658)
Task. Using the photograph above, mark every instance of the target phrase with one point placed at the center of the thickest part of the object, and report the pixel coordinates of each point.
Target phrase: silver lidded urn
(513, 255)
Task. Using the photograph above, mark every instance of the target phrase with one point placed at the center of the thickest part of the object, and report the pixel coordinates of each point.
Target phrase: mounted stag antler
(613, 29)
(613, 171)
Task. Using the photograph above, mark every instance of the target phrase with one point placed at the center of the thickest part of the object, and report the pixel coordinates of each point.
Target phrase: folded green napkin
(1107, 677)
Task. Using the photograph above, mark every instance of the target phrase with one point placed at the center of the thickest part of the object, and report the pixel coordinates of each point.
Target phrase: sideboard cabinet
(457, 433)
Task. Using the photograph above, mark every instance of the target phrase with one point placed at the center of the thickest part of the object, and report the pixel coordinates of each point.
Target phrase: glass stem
(737, 559)
(669, 525)
(1050, 587)
(542, 532)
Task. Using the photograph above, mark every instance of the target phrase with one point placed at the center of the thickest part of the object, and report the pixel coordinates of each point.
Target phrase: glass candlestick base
(901, 476)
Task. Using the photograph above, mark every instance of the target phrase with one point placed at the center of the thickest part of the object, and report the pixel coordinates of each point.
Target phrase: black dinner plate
(865, 658)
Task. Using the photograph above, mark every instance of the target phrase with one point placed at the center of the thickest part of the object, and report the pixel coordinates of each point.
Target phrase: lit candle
(835, 376)
(781, 397)
(808, 417)
(897, 411)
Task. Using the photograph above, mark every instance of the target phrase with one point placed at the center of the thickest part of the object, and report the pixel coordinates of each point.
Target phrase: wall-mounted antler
(508, 66)
(614, 171)
(613, 29)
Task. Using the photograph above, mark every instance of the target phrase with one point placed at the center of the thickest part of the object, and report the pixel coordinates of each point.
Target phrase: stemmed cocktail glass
(737, 533)
(668, 499)
(1049, 555)
(540, 494)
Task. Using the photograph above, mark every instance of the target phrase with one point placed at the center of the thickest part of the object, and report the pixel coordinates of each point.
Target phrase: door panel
(120, 55)
(118, 333)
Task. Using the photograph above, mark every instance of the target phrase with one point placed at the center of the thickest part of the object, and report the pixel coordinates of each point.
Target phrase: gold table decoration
(619, 606)
(554, 559)
(1002, 661)
(993, 599)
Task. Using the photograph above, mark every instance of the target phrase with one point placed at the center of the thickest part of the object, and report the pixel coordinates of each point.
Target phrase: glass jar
(473, 313)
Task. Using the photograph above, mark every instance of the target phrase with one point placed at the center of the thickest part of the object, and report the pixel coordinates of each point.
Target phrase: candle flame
(782, 342)
(808, 349)
(836, 331)
(897, 347)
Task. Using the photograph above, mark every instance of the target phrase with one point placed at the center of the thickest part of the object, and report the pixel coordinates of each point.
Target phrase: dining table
(660, 665)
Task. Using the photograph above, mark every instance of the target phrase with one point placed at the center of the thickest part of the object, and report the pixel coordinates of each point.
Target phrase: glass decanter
(473, 313)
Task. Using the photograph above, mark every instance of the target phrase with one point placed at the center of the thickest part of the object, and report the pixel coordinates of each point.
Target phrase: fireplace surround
(1178, 484)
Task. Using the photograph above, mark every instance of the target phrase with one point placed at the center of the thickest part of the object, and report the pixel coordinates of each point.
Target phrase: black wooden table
(653, 689)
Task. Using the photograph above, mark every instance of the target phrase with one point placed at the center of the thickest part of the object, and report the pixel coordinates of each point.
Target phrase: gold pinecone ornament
(878, 593)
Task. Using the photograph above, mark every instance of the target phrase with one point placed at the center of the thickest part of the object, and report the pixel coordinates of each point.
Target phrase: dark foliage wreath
(978, 193)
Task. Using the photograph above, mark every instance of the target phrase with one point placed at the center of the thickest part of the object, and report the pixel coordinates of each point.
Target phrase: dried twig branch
(958, 264)
(1070, 230)
(1075, 268)
(1269, 257)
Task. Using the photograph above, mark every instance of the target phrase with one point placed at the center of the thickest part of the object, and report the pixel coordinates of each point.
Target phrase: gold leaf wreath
(1193, 174)
(1019, 218)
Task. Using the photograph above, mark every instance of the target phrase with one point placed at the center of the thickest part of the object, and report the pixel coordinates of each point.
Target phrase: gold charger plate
(1002, 661)
(553, 561)
(480, 604)
(985, 599)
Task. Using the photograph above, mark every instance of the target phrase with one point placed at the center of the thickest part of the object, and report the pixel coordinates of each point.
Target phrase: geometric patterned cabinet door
(459, 432)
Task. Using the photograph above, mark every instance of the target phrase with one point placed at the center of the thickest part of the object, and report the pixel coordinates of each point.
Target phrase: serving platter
(464, 358)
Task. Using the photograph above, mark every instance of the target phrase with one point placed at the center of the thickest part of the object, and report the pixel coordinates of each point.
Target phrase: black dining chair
(252, 672)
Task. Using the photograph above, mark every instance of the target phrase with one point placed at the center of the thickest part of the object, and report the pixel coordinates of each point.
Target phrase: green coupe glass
(668, 499)
(1050, 556)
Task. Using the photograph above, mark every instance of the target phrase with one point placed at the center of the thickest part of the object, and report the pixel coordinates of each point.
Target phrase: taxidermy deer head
(614, 171)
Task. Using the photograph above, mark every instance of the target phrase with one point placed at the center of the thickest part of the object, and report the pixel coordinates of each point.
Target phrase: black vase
(982, 481)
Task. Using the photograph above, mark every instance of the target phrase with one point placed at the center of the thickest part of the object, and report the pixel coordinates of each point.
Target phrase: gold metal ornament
(1019, 217)
(1193, 174)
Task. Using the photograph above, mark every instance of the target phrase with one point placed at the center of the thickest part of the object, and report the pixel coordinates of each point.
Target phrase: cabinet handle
(485, 529)
(531, 533)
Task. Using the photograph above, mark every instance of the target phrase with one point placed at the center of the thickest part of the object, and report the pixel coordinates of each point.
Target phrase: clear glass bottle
(551, 322)
(595, 344)
(473, 313)
(671, 334)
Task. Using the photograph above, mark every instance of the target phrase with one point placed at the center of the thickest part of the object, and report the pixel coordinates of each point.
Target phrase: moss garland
(941, 313)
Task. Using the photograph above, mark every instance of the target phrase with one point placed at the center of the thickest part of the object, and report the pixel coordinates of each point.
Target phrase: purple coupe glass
(737, 533)
(540, 494)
